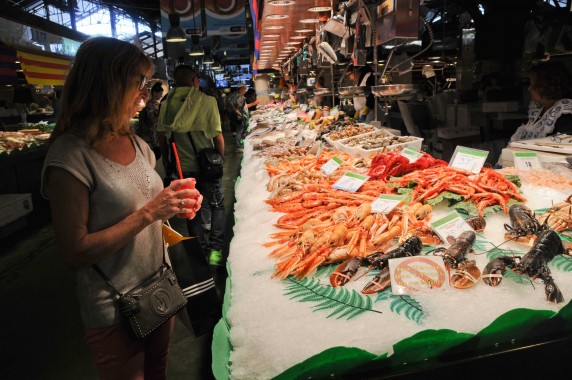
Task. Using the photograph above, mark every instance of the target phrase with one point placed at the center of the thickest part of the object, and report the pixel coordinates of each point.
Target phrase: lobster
(533, 264)
(524, 225)
(379, 260)
(466, 273)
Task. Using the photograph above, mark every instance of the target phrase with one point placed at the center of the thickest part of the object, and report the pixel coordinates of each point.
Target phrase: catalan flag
(7, 65)
(42, 68)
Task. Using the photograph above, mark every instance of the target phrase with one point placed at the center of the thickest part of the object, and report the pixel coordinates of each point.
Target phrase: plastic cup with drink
(190, 214)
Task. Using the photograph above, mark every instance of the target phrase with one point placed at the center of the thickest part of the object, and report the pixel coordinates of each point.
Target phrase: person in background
(197, 117)
(363, 105)
(550, 108)
(320, 100)
(289, 92)
(148, 119)
(108, 202)
(238, 114)
(251, 101)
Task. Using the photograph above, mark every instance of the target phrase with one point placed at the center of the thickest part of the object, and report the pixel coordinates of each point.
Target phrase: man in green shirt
(186, 112)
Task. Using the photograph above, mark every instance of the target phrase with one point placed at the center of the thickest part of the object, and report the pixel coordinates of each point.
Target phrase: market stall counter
(298, 325)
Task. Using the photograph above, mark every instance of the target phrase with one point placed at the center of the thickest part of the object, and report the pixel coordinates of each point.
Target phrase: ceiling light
(281, 3)
(298, 37)
(293, 42)
(320, 9)
(175, 32)
(276, 17)
(274, 27)
(306, 30)
(272, 35)
(309, 20)
(196, 48)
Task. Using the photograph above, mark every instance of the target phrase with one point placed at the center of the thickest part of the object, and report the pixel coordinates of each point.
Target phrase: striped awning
(7, 65)
(42, 68)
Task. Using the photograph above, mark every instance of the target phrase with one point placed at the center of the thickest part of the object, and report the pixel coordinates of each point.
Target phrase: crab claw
(345, 271)
(466, 275)
(495, 269)
(378, 283)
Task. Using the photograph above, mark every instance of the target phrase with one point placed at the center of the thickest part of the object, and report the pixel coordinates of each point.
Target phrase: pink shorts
(119, 356)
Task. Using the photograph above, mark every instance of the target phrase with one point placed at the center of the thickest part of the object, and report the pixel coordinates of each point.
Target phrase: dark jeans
(213, 194)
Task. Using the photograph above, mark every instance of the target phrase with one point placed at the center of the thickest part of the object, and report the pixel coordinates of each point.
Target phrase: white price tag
(526, 161)
(311, 114)
(468, 159)
(334, 111)
(418, 273)
(304, 107)
(411, 155)
(331, 166)
(452, 224)
(385, 203)
(350, 182)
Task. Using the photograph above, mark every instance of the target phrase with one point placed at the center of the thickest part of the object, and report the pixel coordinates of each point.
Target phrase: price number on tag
(350, 182)
(468, 159)
(331, 166)
(526, 161)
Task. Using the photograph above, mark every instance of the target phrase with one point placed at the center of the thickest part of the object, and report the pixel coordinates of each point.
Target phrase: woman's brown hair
(94, 97)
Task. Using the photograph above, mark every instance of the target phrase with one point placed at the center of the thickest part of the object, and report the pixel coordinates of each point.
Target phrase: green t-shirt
(187, 109)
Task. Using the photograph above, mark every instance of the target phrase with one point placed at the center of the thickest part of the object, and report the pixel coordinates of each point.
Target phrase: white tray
(546, 144)
(414, 143)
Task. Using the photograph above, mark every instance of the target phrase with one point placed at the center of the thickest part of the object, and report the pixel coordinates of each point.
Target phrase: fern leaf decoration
(342, 302)
(482, 245)
(518, 278)
(563, 263)
(404, 305)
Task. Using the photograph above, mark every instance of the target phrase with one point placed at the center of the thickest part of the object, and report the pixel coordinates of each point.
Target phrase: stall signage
(350, 182)
(385, 203)
(468, 159)
(451, 224)
(411, 154)
(304, 107)
(526, 161)
(331, 166)
(419, 273)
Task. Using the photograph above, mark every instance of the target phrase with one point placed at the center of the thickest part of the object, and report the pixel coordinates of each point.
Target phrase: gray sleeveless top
(115, 191)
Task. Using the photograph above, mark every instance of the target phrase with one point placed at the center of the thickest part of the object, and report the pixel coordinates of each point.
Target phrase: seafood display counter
(291, 311)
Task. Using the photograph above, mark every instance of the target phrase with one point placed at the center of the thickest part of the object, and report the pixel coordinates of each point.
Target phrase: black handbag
(151, 303)
(210, 162)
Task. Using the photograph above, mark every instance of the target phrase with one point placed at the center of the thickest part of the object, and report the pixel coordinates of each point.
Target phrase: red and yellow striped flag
(44, 69)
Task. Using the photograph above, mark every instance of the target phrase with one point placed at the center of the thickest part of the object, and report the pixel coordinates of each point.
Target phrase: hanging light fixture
(196, 48)
(175, 32)
(208, 58)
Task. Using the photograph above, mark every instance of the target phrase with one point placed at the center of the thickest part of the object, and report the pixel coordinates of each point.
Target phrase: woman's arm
(69, 199)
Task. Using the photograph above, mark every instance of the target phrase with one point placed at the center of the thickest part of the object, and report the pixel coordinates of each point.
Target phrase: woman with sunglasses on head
(108, 203)
(550, 109)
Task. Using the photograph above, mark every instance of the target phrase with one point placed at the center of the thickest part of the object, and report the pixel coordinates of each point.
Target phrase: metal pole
(374, 37)
(333, 87)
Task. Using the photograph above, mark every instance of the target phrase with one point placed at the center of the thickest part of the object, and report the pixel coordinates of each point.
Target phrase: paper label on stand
(419, 273)
(350, 182)
(304, 107)
(411, 155)
(331, 166)
(468, 159)
(452, 224)
(334, 111)
(526, 161)
(311, 114)
(386, 203)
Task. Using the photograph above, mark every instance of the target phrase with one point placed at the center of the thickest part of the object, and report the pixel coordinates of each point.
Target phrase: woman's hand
(179, 197)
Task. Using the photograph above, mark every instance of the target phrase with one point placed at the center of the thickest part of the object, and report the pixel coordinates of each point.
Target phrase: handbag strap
(193, 144)
(108, 281)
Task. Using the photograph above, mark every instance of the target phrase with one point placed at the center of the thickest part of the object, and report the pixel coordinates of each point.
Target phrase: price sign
(304, 107)
(452, 224)
(411, 155)
(526, 161)
(334, 111)
(419, 273)
(350, 182)
(385, 203)
(331, 166)
(311, 114)
(468, 159)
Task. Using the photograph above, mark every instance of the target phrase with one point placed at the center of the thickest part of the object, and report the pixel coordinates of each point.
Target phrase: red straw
(178, 161)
